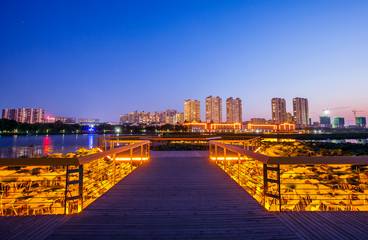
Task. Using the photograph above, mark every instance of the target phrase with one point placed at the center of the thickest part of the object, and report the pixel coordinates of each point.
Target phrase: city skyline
(102, 62)
(299, 108)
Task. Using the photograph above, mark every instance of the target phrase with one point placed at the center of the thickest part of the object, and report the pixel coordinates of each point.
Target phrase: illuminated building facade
(5, 113)
(213, 109)
(24, 115)
(278, 110)
(89, 120)
(283, 127)
(225, 127)
(213, 127)
(130, 118)
(361, 121)
(49, 119)
(180, 118)
(339, 122)
(144, 118)
(159, 117)
(301, 111)
(325, 121)
(68, 120)
(170, 116)
(192, 110)
(234, 110)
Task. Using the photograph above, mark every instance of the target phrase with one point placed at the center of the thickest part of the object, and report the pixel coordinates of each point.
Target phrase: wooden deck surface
(183, 195)
(175, 196)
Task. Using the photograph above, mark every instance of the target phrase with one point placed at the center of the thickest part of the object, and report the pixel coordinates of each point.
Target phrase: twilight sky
(102, 59)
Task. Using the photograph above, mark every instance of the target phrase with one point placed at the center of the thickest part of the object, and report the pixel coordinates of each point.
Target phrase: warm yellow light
(134, 159)
(227, 158)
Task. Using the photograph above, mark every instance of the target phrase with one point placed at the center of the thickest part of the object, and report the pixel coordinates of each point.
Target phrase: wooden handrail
(357, 160)
(92, 157)
(248, 153)
(66, 161)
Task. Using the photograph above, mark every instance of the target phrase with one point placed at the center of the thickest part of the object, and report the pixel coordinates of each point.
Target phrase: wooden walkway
(183, 195)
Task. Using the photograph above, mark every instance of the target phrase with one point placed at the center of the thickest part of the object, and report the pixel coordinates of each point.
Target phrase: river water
(38, 145)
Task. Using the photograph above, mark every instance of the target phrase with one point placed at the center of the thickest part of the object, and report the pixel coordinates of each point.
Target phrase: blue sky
(103, 59)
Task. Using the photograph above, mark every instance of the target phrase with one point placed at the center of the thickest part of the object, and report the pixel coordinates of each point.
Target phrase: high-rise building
(5, 113)
(325, 121)
(159, 117)
(301, 111)
(21, 117)
(338, 122)
(233, 110)
(180, 118)
(144, 117)
(170, 116)
(34, 115)
(361, 121)
(213, 109)
(24, 115)
(136, 117)
(192, 110)
(278, 110)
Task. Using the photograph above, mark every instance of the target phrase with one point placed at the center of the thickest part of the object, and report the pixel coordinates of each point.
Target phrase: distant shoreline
(296, 136)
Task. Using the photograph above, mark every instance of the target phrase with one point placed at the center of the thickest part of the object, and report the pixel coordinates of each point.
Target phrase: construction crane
(327, 110)
(355, 111)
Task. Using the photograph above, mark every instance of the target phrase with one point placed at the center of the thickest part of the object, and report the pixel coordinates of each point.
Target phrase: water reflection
(46, 145)
(90, 141)
(17, 146)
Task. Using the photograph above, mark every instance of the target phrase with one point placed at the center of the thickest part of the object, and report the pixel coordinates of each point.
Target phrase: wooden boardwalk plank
(177, 195)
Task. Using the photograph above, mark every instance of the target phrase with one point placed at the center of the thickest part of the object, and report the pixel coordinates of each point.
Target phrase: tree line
(13, 127)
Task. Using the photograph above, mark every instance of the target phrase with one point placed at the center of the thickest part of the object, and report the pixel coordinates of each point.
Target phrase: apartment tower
(301, 111)
(29, 115)
(192, 110)
(213, 109)
(278, 110)
(170, 116)
(233, 110)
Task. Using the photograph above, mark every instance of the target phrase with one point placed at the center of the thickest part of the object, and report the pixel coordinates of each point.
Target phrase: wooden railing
(303, 183)
(156, 142)
(36, 186)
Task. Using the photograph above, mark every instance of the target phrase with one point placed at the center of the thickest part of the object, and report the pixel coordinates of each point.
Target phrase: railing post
(81, 185)
(141, 154)
(265, 184)
(114, 164)
(148, 152)
(66, 189)
(239, 168)
(216, 152)
(131, 159)
(279, 179)
(225, 159)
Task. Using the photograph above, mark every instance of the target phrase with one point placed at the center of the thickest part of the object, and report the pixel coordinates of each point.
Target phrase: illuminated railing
(37, 186)
(338, 183)
(156, 142)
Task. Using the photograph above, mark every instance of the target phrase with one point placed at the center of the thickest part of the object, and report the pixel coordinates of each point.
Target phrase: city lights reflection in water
(46, 145)
(90, 141)
(38, 145)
